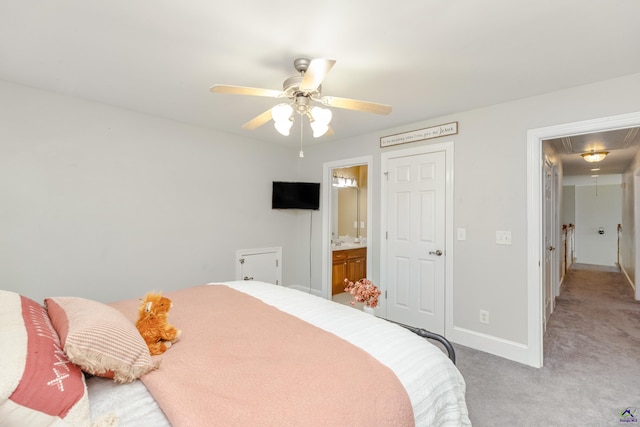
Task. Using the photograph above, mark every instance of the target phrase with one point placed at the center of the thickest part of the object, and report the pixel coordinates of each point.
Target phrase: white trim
(534, 216)
(636, 239)
(626, 275)
(447, 147)
(507, 349)
(305, 289)
(327, 208)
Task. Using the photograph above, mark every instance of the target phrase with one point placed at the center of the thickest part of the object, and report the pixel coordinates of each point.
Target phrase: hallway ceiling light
(595, 156)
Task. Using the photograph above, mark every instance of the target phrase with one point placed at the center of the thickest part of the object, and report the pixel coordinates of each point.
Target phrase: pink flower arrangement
(363, 291)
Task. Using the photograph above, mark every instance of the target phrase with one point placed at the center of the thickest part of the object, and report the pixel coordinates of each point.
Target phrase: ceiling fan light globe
(281, 112)
(319, 129)
(321, 115)
(283, 126)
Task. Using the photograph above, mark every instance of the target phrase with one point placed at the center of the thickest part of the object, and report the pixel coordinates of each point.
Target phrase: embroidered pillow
(39, 386)
(99, 339)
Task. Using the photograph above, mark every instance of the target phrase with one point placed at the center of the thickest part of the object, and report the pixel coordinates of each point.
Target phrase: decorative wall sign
(419, 135)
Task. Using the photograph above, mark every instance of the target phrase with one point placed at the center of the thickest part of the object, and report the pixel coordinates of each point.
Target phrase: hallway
(596, 316)
(591, 370)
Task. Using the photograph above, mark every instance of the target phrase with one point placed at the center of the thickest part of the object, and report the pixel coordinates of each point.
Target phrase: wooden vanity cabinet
(338, 271)
(357, 264)
(348, 263)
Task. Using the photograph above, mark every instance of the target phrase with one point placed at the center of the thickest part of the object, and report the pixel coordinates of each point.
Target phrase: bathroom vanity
(349, 261)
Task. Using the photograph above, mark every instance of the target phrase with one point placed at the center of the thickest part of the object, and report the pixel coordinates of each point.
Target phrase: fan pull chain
(301, 127)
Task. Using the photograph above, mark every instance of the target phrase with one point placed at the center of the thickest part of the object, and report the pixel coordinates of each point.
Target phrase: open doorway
(348, 233)
(346, 240)
(535, 208)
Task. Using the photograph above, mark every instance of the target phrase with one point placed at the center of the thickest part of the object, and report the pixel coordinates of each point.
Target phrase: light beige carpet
(345, 298)
(591, 370)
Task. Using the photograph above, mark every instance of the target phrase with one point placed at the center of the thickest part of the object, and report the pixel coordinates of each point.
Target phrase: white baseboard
(633, 286)
(306, 290)
(507, 349)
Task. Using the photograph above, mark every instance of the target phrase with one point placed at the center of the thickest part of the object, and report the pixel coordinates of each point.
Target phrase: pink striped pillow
(39, 386)
(99, 339)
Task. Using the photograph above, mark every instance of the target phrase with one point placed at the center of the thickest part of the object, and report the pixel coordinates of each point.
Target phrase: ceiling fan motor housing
(301, 64)
(291, 88)
(302, 104)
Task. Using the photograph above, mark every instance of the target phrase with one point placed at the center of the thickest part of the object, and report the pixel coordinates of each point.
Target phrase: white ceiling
(621, 146)
(425, 58)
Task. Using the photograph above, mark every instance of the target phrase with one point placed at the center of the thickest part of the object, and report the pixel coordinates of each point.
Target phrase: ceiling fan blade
(316, 72)
(353, 104)
(258, 121)
(244, 90)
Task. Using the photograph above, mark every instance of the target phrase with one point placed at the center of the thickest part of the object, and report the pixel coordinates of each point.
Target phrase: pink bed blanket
(242, 362)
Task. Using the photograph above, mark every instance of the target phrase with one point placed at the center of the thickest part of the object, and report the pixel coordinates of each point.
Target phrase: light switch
(503, 237)
(462, 234)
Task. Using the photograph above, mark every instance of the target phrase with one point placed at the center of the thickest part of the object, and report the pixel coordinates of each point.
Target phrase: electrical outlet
(484, 317)
(355, 224)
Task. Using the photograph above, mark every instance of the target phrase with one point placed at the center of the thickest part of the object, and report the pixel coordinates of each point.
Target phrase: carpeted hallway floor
(591, 370)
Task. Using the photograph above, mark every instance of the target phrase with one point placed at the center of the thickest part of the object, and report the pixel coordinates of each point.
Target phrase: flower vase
(369, 310)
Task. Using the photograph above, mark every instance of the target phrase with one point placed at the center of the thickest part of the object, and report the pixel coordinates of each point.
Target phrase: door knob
(551, 248)
(438, 252)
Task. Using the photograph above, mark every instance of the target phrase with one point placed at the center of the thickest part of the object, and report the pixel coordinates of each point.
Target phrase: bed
(251, 353)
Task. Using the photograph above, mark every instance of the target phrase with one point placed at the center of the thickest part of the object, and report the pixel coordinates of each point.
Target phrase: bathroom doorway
(346, 240)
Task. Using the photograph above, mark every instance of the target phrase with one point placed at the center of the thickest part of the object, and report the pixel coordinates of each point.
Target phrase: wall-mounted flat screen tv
(295, 195)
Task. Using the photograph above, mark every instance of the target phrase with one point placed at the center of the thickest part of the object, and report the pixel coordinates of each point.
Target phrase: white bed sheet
(130, 405)
(435, 386)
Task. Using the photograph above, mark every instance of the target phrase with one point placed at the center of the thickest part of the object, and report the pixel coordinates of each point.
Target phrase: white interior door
(556, 237)
(548, 291)
(415, 270)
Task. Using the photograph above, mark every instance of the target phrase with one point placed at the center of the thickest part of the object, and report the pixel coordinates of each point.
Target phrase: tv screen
(295, 195)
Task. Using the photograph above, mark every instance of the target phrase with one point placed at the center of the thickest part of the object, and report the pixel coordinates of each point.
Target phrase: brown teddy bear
(152, 323)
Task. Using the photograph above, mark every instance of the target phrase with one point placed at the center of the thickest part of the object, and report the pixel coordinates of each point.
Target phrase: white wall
(593, 203)
(596, 207)
(490, 191)
(108, 203)
(101, 202)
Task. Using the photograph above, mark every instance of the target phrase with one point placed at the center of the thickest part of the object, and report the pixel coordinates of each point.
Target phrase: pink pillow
(38, 384)
(99, 339)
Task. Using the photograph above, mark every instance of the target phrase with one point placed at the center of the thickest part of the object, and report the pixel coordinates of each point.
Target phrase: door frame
(447, 147)
(535, 235)
(327, 209)
(636, 220)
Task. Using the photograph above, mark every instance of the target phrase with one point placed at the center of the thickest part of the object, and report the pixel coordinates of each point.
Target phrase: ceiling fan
(301, 91)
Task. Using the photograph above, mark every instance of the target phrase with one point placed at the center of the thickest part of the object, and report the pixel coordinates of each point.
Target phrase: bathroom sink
(348, 245)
